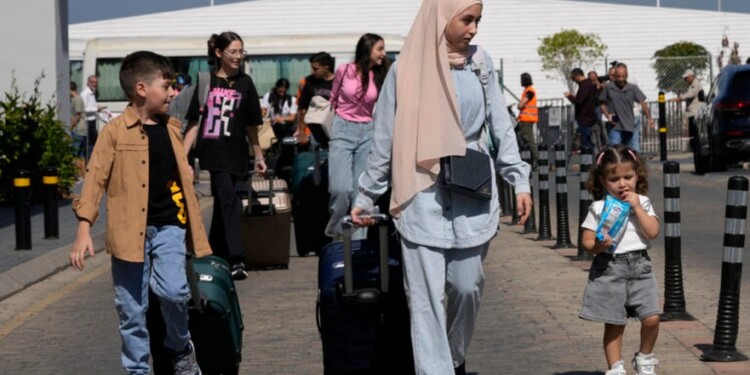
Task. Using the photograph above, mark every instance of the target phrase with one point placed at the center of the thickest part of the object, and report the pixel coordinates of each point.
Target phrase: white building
(510, 30)
(35, 42)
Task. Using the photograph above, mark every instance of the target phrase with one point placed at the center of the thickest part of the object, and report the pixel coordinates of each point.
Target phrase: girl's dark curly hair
(606, 160)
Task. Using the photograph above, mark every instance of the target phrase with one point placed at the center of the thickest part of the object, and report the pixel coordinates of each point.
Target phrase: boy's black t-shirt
(232, 105)
(314, 86)
(166, 203)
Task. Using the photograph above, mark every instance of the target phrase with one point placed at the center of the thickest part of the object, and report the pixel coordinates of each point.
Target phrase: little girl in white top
(621, 282)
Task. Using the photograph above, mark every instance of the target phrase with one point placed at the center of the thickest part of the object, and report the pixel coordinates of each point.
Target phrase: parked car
(724, 123)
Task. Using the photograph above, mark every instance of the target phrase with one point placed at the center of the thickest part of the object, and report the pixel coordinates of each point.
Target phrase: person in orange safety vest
(528, 117)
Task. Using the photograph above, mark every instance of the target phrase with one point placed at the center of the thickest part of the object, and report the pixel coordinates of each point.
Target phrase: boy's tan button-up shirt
(119, 165)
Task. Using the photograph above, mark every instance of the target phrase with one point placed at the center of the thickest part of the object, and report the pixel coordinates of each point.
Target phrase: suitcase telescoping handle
(346, 223)
(192, 279)
(271, 206)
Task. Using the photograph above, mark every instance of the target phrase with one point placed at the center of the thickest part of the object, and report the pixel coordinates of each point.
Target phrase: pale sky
(95, 10)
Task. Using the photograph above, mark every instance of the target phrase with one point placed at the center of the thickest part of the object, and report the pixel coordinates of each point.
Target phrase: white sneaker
(617, 369)
(644, 364)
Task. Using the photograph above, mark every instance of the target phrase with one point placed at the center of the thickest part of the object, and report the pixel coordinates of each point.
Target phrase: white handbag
(320, 112)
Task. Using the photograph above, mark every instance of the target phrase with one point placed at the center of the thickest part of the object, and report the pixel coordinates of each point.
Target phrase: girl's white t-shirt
(287, 108)
(632, 240)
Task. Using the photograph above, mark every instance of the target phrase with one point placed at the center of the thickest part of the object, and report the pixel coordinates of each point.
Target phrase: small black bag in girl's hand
(470, 175)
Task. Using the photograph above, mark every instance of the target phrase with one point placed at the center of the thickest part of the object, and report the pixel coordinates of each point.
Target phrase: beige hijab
(428, 122)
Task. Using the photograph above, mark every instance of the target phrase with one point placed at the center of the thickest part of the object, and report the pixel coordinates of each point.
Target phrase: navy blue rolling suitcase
(362, 313)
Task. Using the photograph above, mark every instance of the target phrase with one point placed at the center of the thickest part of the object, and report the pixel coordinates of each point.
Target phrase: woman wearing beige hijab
(433, 105)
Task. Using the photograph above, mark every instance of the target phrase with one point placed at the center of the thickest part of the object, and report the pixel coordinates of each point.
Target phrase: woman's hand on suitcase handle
(361, 218)
(260, 167)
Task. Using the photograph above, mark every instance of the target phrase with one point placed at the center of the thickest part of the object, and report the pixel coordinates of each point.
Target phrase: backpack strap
(203, 86)
(480, 67)
(204, 80)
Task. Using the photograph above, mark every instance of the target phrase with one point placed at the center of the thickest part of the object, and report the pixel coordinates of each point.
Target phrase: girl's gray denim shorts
(620, 286)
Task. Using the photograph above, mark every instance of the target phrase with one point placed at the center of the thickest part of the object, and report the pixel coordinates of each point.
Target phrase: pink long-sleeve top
(347, 96)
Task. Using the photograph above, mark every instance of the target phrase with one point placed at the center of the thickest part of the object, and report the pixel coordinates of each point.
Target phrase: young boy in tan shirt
(153, 215)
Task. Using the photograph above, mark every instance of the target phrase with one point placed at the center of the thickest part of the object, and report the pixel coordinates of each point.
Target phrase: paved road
(528, 323)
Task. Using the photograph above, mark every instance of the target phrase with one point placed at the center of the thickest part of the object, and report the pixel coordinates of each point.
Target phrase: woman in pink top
(355, 90)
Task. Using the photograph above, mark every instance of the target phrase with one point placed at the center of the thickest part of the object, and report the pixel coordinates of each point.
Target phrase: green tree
(670, 63)
(32, 138)
(568, 49)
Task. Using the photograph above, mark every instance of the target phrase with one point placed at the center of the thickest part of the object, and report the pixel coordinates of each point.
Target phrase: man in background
(528, 117)
(585, 106)
(693, 104)
(617, 99)
(92, 109)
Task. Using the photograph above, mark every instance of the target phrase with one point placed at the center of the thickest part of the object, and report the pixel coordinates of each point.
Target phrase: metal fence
(650, 74)
(557, 126)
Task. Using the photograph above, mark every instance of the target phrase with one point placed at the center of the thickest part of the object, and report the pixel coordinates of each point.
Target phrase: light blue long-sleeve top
(436, 217)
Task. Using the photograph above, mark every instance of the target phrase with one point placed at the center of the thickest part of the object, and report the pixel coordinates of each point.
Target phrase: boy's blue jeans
(163, 270)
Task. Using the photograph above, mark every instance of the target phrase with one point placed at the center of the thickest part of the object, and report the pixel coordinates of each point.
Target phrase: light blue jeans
(163, 270)
(630, 139)
(347, 159)
(441, 335)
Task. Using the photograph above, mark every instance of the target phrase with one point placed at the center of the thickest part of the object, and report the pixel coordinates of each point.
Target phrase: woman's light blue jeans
(347, 159)
(163, 270)
(441, 330)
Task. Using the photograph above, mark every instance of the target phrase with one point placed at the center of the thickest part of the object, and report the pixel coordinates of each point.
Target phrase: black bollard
(674, 293)
(662, 127)
(561, 185)
(51, 220)
(545, 226)
(22, 188)
(530, 225)
(728, 317)
(584, 201)
(505, 203)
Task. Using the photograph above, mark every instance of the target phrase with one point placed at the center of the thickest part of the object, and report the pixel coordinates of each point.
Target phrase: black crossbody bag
(470, 175)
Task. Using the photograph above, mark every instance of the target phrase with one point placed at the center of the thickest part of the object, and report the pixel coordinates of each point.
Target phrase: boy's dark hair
(143, 66)
(325, 59)
(73, 86)
(576, 72)
(605, 160)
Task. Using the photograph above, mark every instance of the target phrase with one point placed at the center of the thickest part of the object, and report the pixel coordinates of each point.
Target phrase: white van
(269, 58)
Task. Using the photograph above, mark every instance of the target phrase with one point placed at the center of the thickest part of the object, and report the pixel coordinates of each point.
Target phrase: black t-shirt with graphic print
(313, 87)
(232, 105)
(166, 203)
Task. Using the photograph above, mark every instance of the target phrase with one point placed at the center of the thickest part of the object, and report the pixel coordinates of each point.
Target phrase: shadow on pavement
(704, 347)
(579, 373)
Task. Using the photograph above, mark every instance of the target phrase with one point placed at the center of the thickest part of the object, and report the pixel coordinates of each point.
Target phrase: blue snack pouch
(614, 217)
